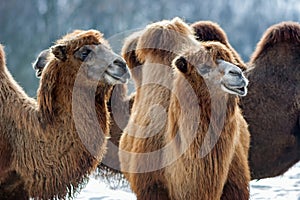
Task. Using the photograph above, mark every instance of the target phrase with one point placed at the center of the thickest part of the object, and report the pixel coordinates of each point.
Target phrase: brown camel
(272, 106)
(205, 127)
(210, 31)
(119, 106)
(269, 157)
(49, 146)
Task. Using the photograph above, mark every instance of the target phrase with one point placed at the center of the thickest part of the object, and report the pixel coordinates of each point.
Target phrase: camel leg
(237, 184)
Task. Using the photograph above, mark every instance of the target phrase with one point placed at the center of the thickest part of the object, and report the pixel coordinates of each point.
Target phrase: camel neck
(76, 104)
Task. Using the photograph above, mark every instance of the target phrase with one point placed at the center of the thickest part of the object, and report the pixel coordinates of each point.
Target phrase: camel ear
(60, 52)
(181, 64)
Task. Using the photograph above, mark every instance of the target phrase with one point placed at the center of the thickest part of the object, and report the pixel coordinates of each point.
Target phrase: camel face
(229, 77)
(102, 64)
(233, 80)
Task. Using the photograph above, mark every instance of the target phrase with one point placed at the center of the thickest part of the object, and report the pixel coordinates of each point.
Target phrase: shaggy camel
(209, 31)
(272, 107)
(204, 127)
(264, 126)
(156, 47)
(119, 106)
(50, 146)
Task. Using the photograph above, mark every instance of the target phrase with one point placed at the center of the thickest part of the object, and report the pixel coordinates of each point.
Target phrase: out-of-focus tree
(31, 26)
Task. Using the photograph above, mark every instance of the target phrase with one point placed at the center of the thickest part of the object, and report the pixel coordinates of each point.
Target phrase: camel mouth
(238, 90)
(122, 78)
(38, 73)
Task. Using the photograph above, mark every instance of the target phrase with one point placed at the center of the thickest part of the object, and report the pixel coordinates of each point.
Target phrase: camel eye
(82, 53)
(85, 54)
(204, 69)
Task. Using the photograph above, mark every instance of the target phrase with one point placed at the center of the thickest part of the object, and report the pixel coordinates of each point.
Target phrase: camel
(49, 146)
(265, 126)
(119, 106)
(156, 47)
(204, 126)
(272, 106)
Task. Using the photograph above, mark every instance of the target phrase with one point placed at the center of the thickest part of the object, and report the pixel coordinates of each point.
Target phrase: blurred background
(27, 27)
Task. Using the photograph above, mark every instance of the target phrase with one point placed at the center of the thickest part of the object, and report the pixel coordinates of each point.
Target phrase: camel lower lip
(118, 78)
(239, 91)
(38, 73)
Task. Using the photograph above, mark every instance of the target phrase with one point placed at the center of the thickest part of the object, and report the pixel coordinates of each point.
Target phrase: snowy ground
(285, 187)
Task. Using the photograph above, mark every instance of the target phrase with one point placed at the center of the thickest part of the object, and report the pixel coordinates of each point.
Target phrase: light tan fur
(156, 48)
(202, 176)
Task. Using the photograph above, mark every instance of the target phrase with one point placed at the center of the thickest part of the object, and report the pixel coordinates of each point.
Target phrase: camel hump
(164, 36)
(209, 31)
(284, 32)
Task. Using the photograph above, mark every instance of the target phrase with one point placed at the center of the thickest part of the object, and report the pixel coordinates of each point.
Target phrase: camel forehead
(79, 38)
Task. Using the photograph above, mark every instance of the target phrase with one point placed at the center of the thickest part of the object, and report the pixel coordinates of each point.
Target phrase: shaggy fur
(193, 176)
(48, 154)
(209, 31)
(272, 105)
(119, 106)
(156, 48)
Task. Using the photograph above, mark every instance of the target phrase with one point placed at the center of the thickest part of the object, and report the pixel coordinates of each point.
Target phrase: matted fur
(272, 105)
(158, 45)
(121, 104)
(191, 176)
(210, 31)
(47, 157)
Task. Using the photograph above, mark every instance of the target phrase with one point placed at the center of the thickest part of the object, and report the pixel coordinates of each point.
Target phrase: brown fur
(192, 176)
(119, 109)
(272, 105)
(209, 31)
(156, 48)
(46, 153)
(125, 103)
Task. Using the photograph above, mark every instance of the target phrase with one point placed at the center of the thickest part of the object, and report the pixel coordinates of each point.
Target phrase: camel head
(87, 55)
(41, 62)
(200, 65)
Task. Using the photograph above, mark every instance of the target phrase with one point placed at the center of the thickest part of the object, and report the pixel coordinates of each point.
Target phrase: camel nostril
(234, 72)
(120, 63)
